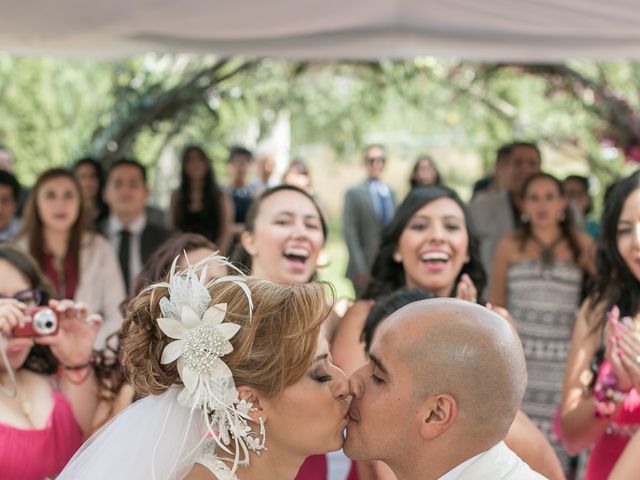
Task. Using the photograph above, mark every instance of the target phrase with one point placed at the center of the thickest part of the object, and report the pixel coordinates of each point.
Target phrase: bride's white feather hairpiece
(201, 340)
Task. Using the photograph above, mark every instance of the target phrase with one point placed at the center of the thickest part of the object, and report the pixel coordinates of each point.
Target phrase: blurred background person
(241, 191)
(129, 230)
(576, 188)
(424, 172)
(9, 196)
(368, 208)
(499, 212)
(265, 165)
(499, 179)
(199, 205)
(79, 264)
(90, 176)
(298, 175)
(7, 164)
(538, 276)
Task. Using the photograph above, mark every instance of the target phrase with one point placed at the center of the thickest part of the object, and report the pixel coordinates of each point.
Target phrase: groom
(437, 398)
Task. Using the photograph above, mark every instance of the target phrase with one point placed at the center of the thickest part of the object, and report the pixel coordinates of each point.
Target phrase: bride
(237, 380)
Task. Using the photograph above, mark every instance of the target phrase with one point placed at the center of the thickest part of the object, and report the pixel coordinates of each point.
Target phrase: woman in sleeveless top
(600, 402)
(47, 391)
(199, 205)
(538, 276)
(430, 245)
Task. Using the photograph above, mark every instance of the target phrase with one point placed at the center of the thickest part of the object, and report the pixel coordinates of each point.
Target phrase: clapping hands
(622, 349)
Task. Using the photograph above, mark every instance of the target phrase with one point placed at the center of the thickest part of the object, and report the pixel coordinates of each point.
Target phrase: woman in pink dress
(601, 405)
(47, 383)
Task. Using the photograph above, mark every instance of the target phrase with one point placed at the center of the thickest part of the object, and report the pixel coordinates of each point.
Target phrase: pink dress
(316, 467)
(38, 454)
(609, 447)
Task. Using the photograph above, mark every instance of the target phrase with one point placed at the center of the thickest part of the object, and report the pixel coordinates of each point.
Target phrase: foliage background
(584, 115)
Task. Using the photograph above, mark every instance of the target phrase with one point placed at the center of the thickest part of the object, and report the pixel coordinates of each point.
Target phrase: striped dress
(544, 301)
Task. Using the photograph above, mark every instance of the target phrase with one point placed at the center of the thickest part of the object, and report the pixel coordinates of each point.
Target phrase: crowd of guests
(87, 243)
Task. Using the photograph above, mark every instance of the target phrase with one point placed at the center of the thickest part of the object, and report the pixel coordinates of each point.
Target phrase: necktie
(386, 210)
(123, 256)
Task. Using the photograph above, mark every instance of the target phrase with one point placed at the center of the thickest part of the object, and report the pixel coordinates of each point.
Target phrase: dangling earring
(397, 257)
(263, 437)
(524, 218)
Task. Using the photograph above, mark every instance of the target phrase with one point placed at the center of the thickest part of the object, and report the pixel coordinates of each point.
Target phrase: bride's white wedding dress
(155, 438)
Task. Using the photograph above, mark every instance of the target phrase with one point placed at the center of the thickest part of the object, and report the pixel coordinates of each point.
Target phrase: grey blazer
(362, 229)
(492, 217)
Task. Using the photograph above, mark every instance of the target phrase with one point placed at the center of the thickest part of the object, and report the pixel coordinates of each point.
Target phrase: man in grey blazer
(496, 214)
(368, 208)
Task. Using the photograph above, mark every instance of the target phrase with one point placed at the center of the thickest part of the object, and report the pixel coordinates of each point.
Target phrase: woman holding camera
(47, 384)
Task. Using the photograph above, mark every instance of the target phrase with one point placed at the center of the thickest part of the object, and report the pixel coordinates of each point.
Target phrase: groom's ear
(258, 406)
(437, 414)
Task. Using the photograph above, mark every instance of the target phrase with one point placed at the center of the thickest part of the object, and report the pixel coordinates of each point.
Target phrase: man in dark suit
(368, 208)
(132, 235)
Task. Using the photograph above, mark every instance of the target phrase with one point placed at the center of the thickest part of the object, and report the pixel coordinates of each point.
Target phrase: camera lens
(45, 322)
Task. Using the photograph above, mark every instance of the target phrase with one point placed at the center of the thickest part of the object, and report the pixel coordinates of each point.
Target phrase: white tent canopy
(508, 30)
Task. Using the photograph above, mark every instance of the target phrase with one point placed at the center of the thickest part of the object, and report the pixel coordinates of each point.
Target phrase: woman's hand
(466, 290)
(628, 344)
(11, 315)
(73, 344)
(613, 351)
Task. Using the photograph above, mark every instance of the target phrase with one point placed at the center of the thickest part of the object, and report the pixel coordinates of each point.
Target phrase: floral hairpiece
(202, 339)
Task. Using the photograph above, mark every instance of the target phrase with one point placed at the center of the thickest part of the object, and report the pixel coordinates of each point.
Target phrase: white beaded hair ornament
(201, 340)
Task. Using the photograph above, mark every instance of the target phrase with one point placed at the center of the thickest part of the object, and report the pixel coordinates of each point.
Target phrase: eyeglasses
(378, 158)
(30, 296)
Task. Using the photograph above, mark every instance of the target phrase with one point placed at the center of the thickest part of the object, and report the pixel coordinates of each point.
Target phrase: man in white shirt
(128, 229)
(442, 386)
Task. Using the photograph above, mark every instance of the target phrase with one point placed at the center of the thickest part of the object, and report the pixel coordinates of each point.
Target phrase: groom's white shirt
(497, 463)
(454, 473)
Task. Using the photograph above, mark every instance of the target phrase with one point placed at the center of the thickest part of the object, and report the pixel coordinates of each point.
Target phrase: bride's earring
(262, 438)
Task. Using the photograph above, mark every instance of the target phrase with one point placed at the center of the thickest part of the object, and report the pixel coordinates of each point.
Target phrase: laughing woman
(430, 245)
(285, 234)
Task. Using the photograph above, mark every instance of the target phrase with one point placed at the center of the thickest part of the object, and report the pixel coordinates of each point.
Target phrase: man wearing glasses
(368, 208)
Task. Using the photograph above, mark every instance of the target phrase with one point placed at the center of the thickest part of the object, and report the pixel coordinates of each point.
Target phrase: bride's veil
(156, 438)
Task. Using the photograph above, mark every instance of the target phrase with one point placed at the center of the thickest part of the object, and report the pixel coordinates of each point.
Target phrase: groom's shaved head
(465, 350)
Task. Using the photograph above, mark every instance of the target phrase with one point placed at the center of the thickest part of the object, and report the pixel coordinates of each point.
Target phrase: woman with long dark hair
(90, 176)
(47, 384)
(80, 264)
(429, 245)
(537, 276)
(600, 401)
(200, 205)
(424, 173)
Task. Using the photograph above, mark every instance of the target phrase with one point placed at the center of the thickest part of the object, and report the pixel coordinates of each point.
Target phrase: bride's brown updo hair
(270, 352)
